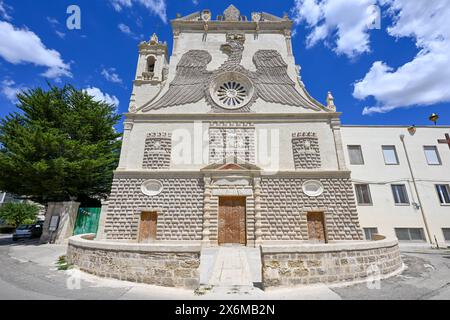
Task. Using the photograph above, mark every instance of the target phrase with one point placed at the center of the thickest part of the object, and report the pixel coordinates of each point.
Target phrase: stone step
(231, 267)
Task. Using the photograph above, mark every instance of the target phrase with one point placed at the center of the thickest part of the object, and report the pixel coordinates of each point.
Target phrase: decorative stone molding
(228, 139)
(312, 188)
(152, 187)
(305, 147)
(157, 153)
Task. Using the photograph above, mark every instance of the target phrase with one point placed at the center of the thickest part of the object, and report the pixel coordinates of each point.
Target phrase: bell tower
(151, 71)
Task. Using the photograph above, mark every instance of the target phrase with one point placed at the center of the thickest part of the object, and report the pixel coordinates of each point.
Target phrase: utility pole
(402, 138)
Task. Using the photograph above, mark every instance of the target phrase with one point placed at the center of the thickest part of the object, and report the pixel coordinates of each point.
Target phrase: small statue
(154, 39)
(330, 101)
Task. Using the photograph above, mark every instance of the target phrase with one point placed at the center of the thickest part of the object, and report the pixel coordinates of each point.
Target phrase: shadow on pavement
(6, 240)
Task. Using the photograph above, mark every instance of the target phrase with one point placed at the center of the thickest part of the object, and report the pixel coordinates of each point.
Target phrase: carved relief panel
(305, 147)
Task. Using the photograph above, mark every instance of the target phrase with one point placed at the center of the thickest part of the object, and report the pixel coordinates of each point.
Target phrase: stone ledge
(83, 241)
(301, 246)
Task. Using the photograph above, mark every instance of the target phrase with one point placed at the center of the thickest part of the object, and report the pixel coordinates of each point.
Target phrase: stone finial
(256, 16)
(154, 39)
(206, 15)
(330, 101)
(231, 13)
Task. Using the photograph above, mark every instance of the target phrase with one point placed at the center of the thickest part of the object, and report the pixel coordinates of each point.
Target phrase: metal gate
(87, 221)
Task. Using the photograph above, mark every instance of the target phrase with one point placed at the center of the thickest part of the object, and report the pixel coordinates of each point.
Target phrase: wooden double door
(232, 220)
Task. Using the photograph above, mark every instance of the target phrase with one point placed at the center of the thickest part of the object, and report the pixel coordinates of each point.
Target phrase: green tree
(61, 145)
(15, 214)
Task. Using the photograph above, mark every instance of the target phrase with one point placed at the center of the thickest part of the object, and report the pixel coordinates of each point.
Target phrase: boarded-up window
(316, 226)
(147, 226)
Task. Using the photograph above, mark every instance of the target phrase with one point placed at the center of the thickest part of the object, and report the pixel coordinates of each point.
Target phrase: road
(28, 271)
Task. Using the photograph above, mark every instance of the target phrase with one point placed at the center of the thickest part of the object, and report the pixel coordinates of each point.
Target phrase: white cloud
(126, 30)
(111, 75)
(24, 46)
(53, 21)
(156, 7)
(346, 23)
(423, 80)
(98, 95)
(62, 35)
(10, 90)
(4, 11)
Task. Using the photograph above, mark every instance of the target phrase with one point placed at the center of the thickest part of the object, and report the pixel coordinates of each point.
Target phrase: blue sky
(395, 74)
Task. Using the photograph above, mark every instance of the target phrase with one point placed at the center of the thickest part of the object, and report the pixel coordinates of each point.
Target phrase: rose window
(231, 90)
(231, 93)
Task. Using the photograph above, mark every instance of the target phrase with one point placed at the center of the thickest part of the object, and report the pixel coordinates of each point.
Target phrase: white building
(401, 180)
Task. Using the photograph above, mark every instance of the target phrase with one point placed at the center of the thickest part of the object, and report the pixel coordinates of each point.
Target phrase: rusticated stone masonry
(168, 269)
(227, 139)
(179, 207)
(305, 147)
(285, 207)
(306, 268)
(158, 148)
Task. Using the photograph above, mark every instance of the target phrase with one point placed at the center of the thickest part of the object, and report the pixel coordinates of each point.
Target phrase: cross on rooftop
(446, 140)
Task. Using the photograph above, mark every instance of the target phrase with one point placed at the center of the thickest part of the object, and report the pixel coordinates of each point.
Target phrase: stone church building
(223, 144)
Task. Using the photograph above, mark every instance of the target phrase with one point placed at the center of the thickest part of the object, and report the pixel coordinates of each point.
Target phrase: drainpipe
(402, 138)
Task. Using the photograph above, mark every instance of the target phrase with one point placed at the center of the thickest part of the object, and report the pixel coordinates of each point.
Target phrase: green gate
(87, 221)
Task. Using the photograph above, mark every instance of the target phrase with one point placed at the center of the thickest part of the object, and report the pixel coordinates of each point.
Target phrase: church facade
(223, 145)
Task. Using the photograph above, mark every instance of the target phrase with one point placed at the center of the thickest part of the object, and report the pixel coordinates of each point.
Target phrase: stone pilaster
(127, 127)
(336, 127)
(258, 209)
(207, 212)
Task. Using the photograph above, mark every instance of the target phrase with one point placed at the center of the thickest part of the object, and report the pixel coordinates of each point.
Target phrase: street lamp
(434, 117)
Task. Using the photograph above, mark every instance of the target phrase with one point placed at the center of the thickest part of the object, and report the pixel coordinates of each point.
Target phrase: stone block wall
(306, 268)
(157, 152)
(285, 207)
(168, 269)
(227, 139)
(305, 147)
(179, 207)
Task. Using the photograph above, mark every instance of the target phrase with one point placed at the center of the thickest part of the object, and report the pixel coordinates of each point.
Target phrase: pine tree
(61, 145)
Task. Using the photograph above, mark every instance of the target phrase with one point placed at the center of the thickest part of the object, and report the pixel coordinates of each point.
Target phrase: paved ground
(28, 271)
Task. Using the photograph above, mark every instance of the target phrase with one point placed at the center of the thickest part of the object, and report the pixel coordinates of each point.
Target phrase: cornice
(254, 117)
(307, 174)
(242, 26)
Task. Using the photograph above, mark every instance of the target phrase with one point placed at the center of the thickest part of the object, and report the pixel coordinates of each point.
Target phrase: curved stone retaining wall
(292, 265)
(168, 265)
(288, 264)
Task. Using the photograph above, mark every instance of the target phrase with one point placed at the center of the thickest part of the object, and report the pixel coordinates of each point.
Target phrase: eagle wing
(273, 82)
(188, 86)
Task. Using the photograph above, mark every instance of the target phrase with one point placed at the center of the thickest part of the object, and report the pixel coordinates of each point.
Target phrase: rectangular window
(355, 155)
(446, 232)
(400, 194)
(363, 194)
(443, 191)
(369, 232)
(410, 234)
(390, 155)
(432, 155)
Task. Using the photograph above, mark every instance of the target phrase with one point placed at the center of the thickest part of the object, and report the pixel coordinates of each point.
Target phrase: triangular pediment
(231, 164)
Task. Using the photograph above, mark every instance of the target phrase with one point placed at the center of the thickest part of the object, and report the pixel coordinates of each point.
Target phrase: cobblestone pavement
(28, 271)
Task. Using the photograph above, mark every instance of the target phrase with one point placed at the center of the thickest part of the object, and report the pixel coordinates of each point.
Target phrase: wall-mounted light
(434, 118)
(412, 129)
